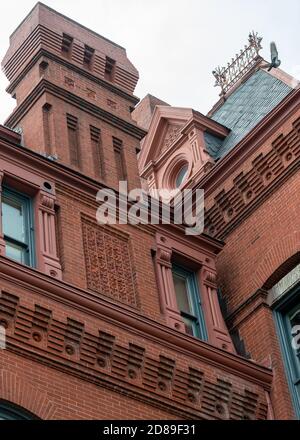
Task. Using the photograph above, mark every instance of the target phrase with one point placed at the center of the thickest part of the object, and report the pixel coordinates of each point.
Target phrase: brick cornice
(103, 380)
(267, 172)
(130, 320)
(250, 143)
(78, 185)
(65, 18)
(45, 53)
(249, 209)
(46, 86)
(6, 134)
(21, 155)
(175, 231)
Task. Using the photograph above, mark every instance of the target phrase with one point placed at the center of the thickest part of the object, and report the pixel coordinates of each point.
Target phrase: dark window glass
(8, 411)
(181, 176)
(17, 224)
(188, 301)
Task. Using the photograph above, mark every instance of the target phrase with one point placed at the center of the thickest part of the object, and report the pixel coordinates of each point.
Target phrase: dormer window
(109, 69)
(66, 44)
(88, 55)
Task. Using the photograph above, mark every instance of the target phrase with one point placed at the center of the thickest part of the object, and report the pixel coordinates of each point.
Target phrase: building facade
(143, 321)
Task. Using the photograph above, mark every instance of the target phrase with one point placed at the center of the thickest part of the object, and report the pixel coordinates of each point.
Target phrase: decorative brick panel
(108, 262)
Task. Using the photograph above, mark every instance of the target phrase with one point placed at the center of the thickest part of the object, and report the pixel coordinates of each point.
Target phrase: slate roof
(213, 144)
(244, 109)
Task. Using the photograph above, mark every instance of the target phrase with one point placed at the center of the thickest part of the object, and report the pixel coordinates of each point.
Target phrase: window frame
(280, 310)
(194, 298)
(27, 203)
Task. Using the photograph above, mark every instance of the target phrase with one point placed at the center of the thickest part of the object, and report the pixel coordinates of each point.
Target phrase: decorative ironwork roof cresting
(226, 77)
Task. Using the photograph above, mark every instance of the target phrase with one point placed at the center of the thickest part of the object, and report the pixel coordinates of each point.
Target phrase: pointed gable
(165, 128)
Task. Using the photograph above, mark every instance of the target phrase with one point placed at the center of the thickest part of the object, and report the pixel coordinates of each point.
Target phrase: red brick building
(144, 321)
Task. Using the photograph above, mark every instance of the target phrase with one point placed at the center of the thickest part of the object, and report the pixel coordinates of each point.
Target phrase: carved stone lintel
(163, 256)
(47, 202)
(210, 278)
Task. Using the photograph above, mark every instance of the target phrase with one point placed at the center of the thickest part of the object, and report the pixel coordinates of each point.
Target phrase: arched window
(9, 411)
(181, 175)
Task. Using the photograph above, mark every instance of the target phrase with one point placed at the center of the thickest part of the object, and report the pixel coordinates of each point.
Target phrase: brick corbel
(2, 242)
(218, 334)
(49, 258)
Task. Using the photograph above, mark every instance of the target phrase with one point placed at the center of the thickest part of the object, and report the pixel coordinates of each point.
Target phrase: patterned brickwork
(100, 355)
(108, 262)
(267, 168)
(52, 41)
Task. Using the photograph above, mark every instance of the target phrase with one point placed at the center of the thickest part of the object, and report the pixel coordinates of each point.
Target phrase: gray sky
(174, 44)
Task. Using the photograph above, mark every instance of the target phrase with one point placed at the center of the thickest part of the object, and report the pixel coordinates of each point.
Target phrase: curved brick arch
(278, 260)
(17, 391)
(282, 270)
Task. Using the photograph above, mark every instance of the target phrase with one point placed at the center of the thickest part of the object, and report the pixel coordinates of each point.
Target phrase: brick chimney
(74, 93)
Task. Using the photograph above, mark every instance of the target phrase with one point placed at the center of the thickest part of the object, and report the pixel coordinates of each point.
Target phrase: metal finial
(226, 77)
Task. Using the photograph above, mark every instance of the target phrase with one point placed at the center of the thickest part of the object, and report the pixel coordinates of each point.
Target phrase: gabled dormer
(174, 152)
(183, 144)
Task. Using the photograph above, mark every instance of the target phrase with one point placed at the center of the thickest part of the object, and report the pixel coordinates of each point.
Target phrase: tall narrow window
(88, 56)
(188, 302)
(119, 159)
(17, 225)
(72, 123)
(97, 151)
(47, 119)
(109, 71)
(66, 44)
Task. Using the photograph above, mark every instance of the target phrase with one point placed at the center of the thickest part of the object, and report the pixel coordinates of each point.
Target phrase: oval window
(181, 175)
